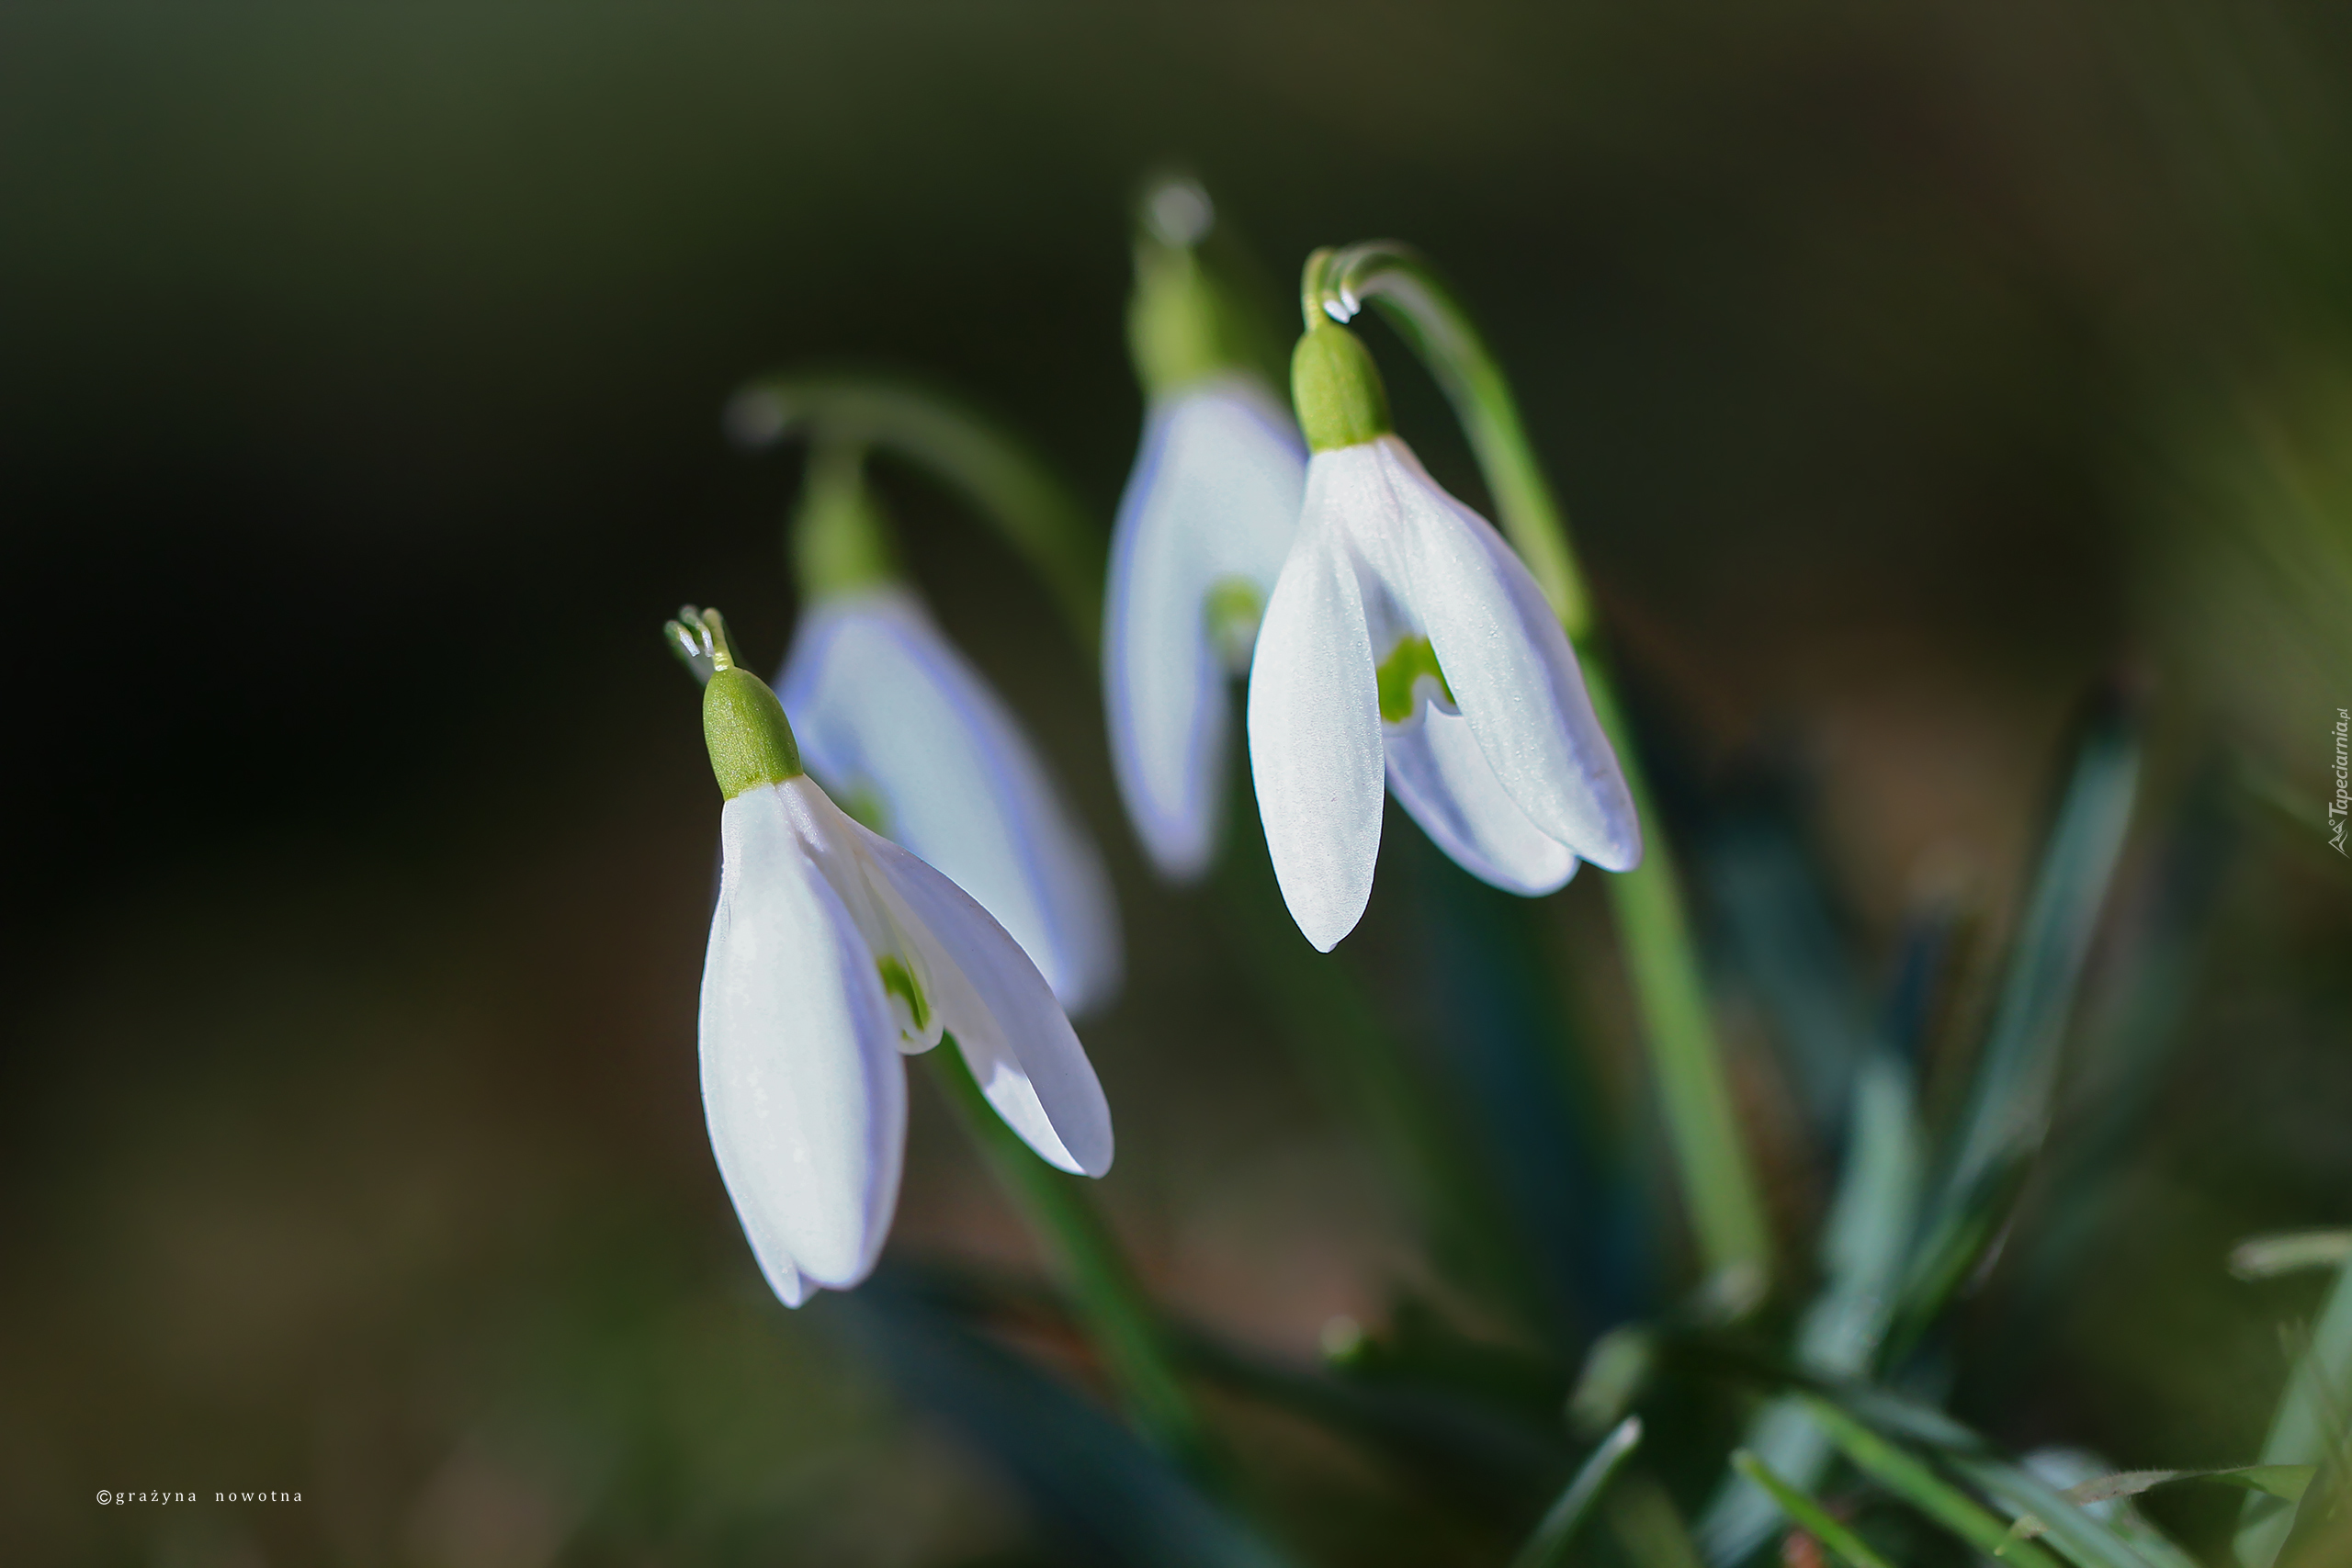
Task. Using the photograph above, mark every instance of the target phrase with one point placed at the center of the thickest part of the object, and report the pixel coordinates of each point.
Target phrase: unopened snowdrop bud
(903, 730)
(832, 952)
(1201, 531)
(1406, 643)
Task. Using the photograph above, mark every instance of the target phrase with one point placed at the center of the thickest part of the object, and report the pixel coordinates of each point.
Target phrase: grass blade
(2008, 1104)
(1863, 1248)
(1809, 1515)
(2266, 1256)
(1119, 1322)
(2087, 1542)
(1548, 1545)
(2310, 1425)
(1779, 928)
(1106, 1496)
(1648, 1528)
(1906, 1476)
(1356, 1062)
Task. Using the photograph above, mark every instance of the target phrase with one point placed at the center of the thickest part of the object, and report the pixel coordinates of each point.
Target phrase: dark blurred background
(1904, 368)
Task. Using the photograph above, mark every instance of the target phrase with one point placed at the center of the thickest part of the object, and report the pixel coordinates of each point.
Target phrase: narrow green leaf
(1549, 1544)
(2008, 1103)
(1809, 1515)
(1075, 1465)
(2309, 1427)
(1354, 1058)
(1779, 925)
(1863, 1247)
(2266, 1256)
(1126, 1332)
(2084, 1540)
(1906, 1476)
(2286, 1480)
(1648, 1529)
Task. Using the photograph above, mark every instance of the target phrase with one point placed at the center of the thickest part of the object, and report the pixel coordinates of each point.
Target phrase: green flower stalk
(1344, 414)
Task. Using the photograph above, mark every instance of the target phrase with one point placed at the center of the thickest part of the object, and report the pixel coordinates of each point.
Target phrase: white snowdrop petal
(1509, 666)
(802, 1084)
(785, 1280)
(1315, 746)
(1016, 1039)
(1213, 497)
(1441, 778)
(884, 706)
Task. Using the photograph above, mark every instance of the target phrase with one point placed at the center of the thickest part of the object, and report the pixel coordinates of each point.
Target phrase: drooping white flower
(900, 727)
(1202, 532)
(895, 721)
(832, 952)
(1208, 517)
(1406, 643)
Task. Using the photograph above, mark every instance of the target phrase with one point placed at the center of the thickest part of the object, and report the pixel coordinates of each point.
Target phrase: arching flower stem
(1717, 1177)
(1339, 283)
(962, 449)
(1111, 1304)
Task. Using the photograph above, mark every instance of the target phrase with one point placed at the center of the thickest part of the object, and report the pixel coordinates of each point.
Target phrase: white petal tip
(1323, 936)
(1624, 855)
(785, 1281)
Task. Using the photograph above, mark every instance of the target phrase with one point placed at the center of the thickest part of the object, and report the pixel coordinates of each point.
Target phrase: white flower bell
(832, 952)
(900, 727)
(1201, 533)
(1207, 518)
(1406, 640)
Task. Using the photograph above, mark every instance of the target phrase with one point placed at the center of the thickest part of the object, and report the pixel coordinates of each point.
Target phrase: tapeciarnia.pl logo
(2338, 809)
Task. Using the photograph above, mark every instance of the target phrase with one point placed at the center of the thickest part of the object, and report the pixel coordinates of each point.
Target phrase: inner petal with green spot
(1410, 663)
(1232, 609)
(864, 806)
(898, 982)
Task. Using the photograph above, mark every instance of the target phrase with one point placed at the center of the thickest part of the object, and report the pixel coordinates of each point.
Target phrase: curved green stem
(1415, 299)
(1118, 1318)
(1717, 1178)
(981, 461)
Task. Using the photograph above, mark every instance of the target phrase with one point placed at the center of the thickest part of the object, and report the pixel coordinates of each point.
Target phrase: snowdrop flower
(901, 729)
(1405, 640)
(832, 952)
(1201, 531)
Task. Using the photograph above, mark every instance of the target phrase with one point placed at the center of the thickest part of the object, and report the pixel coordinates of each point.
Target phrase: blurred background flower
(1901, 371)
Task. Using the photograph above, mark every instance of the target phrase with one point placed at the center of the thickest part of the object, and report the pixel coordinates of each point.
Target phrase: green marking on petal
(1401, 671)
(863, 804)
(1232, 610)
(899, 981)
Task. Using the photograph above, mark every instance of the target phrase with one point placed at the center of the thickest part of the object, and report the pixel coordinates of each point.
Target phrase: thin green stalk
(1126, 1332)
(1810, 1516)
(1400, 281)
(1548, 1546)
(963, 449)
(1718, 1181)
